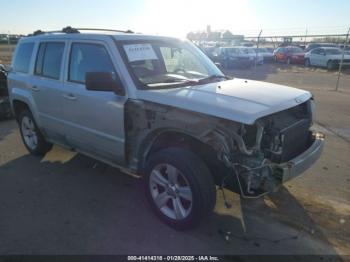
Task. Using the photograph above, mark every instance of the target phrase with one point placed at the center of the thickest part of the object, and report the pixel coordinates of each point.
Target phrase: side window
(49, 60)
(23, 56)
(316, 51)
(86, 58)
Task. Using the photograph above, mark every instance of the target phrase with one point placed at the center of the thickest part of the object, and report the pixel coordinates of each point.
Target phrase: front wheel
(32, 138)
(179, 187)
(330, 65)
(307, 62)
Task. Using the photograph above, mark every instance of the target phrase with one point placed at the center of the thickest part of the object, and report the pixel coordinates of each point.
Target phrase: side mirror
(103, 81)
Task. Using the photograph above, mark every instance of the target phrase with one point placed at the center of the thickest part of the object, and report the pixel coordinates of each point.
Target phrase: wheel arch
(18, 106)
(166, 138)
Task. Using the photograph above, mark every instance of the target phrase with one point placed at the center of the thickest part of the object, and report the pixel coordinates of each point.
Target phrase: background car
(329, 57)
(266, 54)
(311, 46)
(5, 108)
(289, 55)
(240, 57)
(210, 51)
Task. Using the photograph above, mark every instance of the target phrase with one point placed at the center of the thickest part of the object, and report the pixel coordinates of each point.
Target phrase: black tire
(307, 62)
(41, 147)
(330, 65)
(200, 181)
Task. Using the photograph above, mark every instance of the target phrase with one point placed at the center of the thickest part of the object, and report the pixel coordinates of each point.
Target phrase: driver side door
(94, 120)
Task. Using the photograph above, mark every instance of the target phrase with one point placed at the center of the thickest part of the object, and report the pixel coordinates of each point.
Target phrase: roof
(94, 36)
(90, 34)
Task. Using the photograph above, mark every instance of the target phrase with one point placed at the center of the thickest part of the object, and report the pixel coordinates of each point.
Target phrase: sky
(177, 18)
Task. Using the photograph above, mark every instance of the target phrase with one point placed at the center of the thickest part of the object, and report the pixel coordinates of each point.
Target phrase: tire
(330, 65)
(32, 138)
(307, 62)
(192, 177)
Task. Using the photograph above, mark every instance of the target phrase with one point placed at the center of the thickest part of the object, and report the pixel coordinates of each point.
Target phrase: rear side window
(86, 58)
(49, 60)
(23, 56)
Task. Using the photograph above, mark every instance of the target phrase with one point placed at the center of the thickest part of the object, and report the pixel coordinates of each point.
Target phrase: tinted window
(86, 58)
(316, 51)
(49, 60)
(22, 60)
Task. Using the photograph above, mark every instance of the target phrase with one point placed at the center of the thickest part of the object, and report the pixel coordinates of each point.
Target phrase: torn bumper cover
(267, 176)
(301, 163)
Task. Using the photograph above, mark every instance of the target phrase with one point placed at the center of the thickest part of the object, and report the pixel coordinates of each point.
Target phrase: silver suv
(159, 108)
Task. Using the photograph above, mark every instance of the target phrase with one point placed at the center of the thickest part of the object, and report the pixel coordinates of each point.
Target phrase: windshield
(165, 64)
(333, 52)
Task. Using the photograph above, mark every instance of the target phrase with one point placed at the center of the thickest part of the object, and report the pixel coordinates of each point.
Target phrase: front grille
(291, 128)
(295, 140)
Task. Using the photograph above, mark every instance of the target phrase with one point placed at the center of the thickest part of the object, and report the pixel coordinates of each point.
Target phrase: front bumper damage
(271, 176)
(301, 163)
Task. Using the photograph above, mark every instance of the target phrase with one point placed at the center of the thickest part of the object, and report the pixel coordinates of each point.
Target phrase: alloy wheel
(171, 191)
(29, 132)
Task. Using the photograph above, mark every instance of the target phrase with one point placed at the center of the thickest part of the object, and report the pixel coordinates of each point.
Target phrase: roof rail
(108, 30)
(71, 30)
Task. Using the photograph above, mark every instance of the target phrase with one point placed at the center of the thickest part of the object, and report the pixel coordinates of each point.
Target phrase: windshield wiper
(213, 77)
(173, 82)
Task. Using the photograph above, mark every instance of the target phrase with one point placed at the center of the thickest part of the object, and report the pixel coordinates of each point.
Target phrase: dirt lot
(69, 204)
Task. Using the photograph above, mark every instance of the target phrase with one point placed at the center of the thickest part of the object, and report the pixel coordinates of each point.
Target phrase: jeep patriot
(159, 108)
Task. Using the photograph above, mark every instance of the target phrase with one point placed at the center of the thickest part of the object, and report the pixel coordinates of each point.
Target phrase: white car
(265, 54)
(329, 57)
(257, 56)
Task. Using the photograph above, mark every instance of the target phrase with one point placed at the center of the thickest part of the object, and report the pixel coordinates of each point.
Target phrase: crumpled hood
(238, 100)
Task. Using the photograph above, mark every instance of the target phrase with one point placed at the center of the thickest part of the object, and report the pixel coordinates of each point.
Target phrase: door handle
(35, 89)
(70, 96)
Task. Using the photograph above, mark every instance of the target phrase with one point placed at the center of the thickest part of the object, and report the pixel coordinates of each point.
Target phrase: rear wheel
(32, 138)
(179, 187)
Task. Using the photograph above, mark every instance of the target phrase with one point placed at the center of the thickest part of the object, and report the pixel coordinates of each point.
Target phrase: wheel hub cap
(29, 133)
(171, 192)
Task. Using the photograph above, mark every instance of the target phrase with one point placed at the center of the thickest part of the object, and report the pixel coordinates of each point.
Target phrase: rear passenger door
(46, 88)
(94, 120)
(316, 56)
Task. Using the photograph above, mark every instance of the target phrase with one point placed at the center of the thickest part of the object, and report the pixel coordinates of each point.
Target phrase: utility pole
(341, 62)
(305, 37)
(8, 38)
(257, 46)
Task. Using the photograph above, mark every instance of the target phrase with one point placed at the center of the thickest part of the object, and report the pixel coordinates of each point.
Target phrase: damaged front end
(276, 149)
(255, 159)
